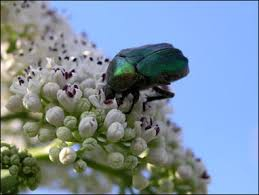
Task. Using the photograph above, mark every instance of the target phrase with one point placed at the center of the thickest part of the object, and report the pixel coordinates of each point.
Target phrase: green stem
(41, 153)
(9, 183)
(20, 115)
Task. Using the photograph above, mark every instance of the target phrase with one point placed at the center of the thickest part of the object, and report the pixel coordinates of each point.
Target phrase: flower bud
(87, 114)
(54, 154)
(115, 160)
(100, 116)
(89, 144)
(139, 181)
(138, 146)
(89, 91)
(159, 142)
(67, 156)
(14, 170)
(70, 122)
(184, 171)
(15, 159)
(31, 128)
(131, 162)
(79, 166)
(114, 115)
(83, 105)
(55, 116)
(5, 159)
(31, 101)
(46, 133)
(5, 151)
(50, 90)
(33, 182)
(157, 156)
(64, 134)
(129, 134)
(87, 83)
(115, 132)
(165, 185)
(26, 170)
(87, 127)
(14, 103)
(29, 161)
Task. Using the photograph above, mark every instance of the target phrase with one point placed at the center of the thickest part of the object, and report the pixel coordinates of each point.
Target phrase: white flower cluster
(63, 82)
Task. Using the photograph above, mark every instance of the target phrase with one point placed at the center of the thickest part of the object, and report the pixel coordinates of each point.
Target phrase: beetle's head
(108, 92)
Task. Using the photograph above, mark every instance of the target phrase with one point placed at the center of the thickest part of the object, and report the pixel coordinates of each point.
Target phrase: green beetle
(135, 69)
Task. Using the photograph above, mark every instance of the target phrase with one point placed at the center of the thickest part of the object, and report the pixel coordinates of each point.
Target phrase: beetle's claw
(119, 101)
(144, 106)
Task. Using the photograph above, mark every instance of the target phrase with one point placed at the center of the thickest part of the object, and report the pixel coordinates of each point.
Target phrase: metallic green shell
(136, 54)
(168, 64)
(157, 63)
(121, 74)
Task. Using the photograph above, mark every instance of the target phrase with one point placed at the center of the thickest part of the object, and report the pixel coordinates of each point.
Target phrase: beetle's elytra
(135, 69)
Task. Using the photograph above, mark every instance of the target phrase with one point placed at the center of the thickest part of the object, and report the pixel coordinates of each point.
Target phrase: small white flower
(87, 127)
(70, 122)
(55, 116)
(69, 101)
(157, 156)
(115, 132)
(19, 86)
(64, 134)
(149, 134)
(139, 181)
(31, 128)
(46, 133)
(87, 83)
(116, 160)
(89, 91)
(60, 79)
(34, 86)
(185, 171)
(14, 103)
(199, 167)
(114, 115)
(67, 156)
(50, 90)
(31, 101)
(138, 145)
(98, 100)
(54, 154)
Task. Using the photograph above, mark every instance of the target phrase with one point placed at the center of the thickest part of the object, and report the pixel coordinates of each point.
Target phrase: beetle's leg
(135, 99)
(163, 95)
(164, 92)
(123, 95)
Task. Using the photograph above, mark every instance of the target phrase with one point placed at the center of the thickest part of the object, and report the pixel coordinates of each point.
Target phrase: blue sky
(217, 103)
